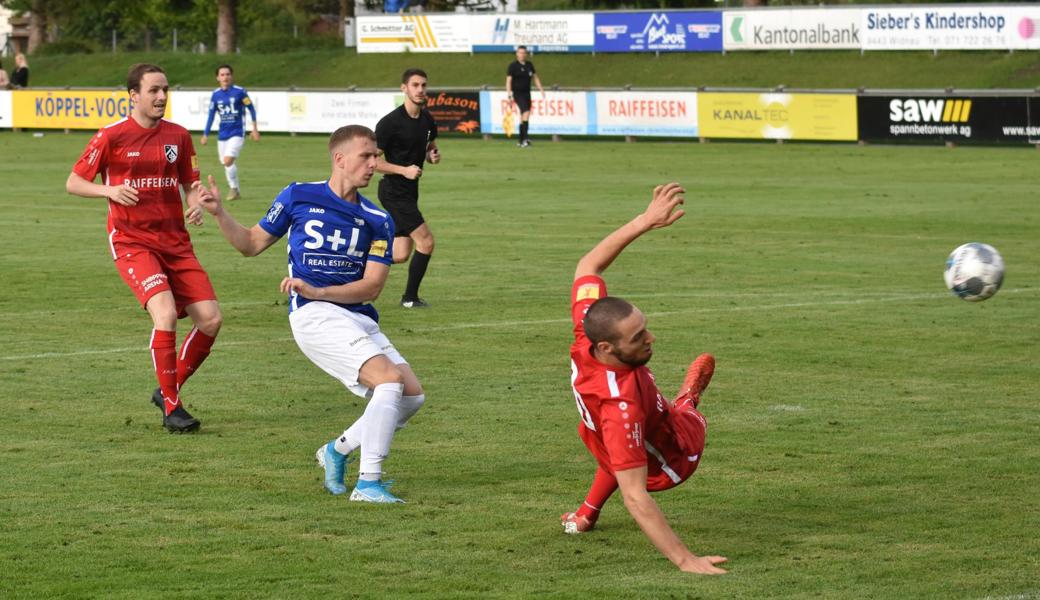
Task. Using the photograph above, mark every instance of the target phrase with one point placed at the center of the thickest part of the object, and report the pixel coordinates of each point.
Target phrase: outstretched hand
(703, 565)
(662, 209)
(209, 196)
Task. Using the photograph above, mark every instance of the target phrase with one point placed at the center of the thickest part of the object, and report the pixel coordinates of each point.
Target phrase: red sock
(194, 350)
(603, 485)
(164, 359)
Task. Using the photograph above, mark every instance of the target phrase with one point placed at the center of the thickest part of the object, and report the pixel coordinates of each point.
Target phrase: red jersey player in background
(642, 442)
(144, 163)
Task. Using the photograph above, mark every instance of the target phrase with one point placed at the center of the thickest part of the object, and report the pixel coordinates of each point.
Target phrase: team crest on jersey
(276, 209)
(171, 152)
(589, 291)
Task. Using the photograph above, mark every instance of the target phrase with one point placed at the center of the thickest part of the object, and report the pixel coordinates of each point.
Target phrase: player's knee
(211, 324)
(229, 160)
(425, 245)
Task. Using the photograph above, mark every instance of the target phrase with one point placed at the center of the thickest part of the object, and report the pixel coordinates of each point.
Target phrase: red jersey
(624, 418)
(155, 162)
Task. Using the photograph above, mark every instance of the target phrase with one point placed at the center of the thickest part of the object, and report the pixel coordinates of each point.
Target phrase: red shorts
(148, 272)
(690, 429)
(680, 459)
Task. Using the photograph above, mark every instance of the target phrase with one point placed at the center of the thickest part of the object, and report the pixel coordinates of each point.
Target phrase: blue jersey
(229, 104)
(330, 239)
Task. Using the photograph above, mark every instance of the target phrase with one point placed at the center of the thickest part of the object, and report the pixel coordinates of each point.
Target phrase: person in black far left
(407, 138)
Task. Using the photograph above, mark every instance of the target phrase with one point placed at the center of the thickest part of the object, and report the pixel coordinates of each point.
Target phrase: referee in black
(407, 138)
(518, 86)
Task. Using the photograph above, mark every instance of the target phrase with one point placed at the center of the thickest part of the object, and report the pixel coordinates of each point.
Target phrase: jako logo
(932, 110)
(501, 31)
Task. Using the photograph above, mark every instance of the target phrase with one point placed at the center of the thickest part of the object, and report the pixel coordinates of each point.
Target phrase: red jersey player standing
(144, 162)
(642, 442)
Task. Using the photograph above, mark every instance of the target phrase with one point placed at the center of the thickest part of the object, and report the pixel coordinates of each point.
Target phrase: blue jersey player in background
(230, 102)
(340, 252)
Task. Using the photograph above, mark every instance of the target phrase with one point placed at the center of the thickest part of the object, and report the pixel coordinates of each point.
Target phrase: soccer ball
(974, 271)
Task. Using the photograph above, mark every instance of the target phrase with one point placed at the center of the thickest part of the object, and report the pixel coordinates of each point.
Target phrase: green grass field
(871, 436)
(342, 68)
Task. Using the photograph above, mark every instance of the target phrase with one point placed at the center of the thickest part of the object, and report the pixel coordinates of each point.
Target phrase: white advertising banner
(670, 114)
(324, 112)
(414, 33)
(816, 29)
(190, 108)
(6, 111)
(540, 32)
(964, 27)
(555, 113)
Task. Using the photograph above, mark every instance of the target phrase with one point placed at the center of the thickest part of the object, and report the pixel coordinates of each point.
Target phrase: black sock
(523, 130)
(416, 272)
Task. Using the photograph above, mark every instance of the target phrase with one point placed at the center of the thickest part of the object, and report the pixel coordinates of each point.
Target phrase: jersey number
(583, 411)
(317, 239)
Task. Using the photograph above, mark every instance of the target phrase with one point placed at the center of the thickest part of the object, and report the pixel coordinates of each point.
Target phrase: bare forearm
(79, 186)
(596, 261)
(651, 520)
(388, 168)
(237, 235)
(356, 292)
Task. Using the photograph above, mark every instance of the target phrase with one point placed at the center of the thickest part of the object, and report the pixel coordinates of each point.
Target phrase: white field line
(494, 324)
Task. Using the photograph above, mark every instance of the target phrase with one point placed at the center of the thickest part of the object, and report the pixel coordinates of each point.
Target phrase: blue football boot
(335, 465)
(374, 491)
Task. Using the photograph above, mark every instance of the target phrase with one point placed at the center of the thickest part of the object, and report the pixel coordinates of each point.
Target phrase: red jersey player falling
(642, 442)
(144, 163)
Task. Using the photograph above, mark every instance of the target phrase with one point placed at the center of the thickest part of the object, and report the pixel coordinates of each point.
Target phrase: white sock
(232, 175)
(379, 424)
(409, 406)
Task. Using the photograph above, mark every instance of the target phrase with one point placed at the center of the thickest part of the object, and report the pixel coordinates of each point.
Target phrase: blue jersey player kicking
(340, 252)
(230, 102)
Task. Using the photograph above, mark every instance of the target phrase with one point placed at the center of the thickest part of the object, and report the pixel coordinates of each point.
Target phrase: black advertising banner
(950, 118)
(458, 112)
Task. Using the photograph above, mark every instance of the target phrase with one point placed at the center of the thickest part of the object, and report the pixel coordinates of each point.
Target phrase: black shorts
(523, 101)
(404, 212)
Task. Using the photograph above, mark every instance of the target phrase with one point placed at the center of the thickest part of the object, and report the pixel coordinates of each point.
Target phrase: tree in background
(227, 24)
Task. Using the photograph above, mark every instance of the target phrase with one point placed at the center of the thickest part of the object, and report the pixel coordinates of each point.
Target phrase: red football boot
(698, 376)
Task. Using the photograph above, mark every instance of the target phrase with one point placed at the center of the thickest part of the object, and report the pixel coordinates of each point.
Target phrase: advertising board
(6, 115)
(413, 33)
(691, 31)
(457, 112)
(70, 109)
(816, 29)
(954, 118)
(969, 27)
(555, 113)
(777, 116)
(324, 112)
(540, 32)
(665, 114)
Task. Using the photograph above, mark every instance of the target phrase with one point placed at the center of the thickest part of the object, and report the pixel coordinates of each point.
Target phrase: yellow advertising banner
(70, 109)
(777, 116)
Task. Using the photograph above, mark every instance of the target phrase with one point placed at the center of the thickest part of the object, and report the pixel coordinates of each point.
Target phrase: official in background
(407, 138)
(518, 86)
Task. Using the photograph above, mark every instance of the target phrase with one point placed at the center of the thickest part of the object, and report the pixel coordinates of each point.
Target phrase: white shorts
(339, 341)
(230, 147)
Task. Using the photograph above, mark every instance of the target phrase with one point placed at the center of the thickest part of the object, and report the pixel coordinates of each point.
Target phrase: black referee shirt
(403, 141)
(521, 74)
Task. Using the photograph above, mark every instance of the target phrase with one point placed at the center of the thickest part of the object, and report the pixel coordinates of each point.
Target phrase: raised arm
(249, 242)
(660, 213)
(651, 520)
